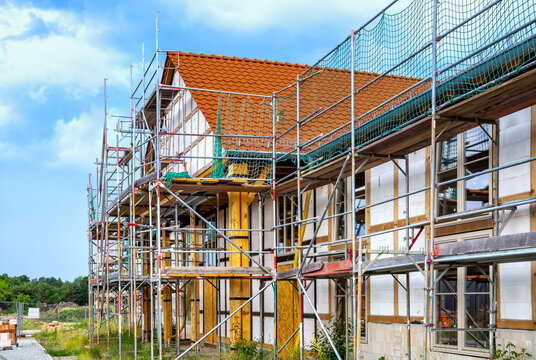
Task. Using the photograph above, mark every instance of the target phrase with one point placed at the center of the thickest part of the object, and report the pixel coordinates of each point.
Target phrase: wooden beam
(212, 270)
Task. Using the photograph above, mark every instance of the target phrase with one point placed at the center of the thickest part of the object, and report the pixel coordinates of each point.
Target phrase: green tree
(43, 291)
(22, 298)
(5, 292)
(81, 290)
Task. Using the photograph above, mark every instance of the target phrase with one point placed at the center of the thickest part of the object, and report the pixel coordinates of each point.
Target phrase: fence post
(20, 309)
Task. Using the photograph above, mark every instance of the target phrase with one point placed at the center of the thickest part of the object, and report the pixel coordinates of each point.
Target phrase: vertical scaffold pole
(356, 293)
(274, 216)
(145, 324)
(150, 326)
(408, 294)
(496, 221)
(98, 229)
(428, 264)
(90, 262)
(299, 206)
(119, 243)
(132, 243)
(260, 210)
(105, 213)
(158, 170)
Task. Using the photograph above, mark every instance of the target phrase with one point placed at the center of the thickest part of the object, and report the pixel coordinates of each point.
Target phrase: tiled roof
(263, 78)
(231, 74)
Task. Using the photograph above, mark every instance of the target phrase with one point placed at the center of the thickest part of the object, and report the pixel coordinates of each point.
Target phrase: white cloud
(39, 95)
(8, 114)
(57, 48)
(247, 15)
(78, 142)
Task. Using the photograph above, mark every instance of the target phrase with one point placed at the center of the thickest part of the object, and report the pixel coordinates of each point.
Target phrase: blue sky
(53, 58)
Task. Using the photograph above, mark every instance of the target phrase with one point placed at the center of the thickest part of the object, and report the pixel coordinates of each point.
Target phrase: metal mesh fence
(36, 316)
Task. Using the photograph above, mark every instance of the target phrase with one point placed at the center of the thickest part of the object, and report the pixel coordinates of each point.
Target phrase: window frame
(287, 235)
(461, 295)
(461, 167)
(341, 199)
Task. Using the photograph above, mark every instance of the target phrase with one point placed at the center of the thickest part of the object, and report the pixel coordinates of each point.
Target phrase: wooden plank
(291, 273)
(286, 312)
(209, 309)
(458, 228)
(217, 188)
(239, 289)
(212, 270)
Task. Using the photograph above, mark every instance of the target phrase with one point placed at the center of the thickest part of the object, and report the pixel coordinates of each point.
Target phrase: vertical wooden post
(239, 288)
(194, 299)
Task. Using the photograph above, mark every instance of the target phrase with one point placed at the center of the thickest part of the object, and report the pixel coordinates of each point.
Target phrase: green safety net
(243, 148)
(171, 175)
(217, 165)
(93, 210)
(480, 44)
(393, 65)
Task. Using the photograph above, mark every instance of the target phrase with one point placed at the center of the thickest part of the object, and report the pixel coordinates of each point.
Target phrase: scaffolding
(159, 239)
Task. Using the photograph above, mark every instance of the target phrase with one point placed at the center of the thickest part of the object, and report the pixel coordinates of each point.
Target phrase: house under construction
(390, 187)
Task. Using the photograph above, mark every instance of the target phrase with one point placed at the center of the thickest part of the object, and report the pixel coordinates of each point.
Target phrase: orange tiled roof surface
(253, 116)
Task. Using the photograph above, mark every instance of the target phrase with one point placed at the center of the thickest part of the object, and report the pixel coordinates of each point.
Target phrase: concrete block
(4, 340)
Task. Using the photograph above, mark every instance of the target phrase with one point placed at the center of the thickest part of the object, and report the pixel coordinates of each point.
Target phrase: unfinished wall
(387, 181)
(386, 298)
(184, 117)
(515, 278)
(390, 340)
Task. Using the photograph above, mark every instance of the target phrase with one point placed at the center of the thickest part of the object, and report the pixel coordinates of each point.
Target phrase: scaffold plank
(212, 270)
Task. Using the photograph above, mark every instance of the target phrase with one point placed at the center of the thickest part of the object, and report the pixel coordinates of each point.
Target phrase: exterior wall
(385, 338)
(390, 340)
(382, 187)
(386, 334)
(515, 278)
(184, 117)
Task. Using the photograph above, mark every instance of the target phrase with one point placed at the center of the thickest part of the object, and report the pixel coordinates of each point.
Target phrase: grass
(65, 342)
(31, 324)
(73, 314)
(74, 342)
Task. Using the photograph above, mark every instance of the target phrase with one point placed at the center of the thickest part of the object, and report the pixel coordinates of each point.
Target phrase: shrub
(338, 332)
(510, 353)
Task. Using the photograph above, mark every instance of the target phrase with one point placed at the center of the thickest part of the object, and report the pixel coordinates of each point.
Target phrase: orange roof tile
(260, 77)
(231, 74)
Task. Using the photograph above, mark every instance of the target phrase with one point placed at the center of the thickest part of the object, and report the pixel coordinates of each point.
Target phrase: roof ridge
(224, 57)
